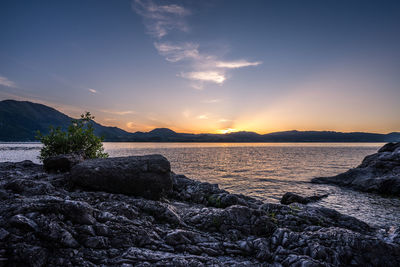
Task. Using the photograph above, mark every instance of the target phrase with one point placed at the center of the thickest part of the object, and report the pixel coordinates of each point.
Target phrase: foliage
(79, 138)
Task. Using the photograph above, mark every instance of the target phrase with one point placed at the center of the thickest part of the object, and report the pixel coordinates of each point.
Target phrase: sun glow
(228, 130)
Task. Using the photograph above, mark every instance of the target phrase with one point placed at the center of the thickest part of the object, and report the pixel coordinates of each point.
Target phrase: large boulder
(146, 176)
(379, 173)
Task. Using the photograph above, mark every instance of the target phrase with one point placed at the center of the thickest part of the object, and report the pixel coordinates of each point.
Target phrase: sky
(207, 66)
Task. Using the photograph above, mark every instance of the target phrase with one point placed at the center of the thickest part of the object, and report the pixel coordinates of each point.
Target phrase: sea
(265, 171)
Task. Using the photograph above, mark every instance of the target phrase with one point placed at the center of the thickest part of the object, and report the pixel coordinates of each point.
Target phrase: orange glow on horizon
(226, 131)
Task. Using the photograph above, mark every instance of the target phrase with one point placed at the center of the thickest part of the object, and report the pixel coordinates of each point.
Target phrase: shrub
(79, 138)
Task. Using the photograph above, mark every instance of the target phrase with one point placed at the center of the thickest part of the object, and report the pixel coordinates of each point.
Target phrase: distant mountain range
(19, 121)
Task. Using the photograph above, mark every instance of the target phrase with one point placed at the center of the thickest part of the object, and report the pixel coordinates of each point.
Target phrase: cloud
(203, 67)
(186, 113)
(205, 76)
(92, 90)
(6, 82)
(175, 53)
(202, 117)
(236, 64)
(197, 85)
(130, 125)
(114, 112)
(224, 120)
(212, 101)
(198, 66)
(161, 19)
(109, 119)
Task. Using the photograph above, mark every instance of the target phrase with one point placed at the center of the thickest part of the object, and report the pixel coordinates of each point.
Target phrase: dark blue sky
(207, 66)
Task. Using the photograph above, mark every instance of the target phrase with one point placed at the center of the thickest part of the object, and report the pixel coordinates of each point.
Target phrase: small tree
(79, 138)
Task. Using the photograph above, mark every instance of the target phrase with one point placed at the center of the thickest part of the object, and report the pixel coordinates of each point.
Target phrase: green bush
(79, 138)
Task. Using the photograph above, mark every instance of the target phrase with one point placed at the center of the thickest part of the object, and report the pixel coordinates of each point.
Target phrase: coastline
(49, 220)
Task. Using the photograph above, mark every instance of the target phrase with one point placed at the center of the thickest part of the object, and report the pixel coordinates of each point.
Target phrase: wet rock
(61, 163)
(379, 172)
(289, 198)
(147, 176)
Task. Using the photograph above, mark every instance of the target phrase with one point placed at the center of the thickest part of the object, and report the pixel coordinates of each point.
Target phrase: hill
(20, 120)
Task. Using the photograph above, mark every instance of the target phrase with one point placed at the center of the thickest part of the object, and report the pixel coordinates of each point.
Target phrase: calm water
(265, 171)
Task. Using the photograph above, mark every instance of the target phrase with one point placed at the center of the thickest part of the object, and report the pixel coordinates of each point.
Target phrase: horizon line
(217, 132)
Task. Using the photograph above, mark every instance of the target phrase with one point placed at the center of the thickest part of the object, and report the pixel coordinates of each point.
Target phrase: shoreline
(267, 182)
(49, 220)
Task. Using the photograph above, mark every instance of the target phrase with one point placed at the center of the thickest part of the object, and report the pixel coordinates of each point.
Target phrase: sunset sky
(207, 66)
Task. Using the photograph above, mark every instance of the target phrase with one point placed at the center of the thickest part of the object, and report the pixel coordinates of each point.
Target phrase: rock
(289, 198)
(61, 163)
(379, 173)
(389, 147)
(178, 237)
(96, 242)
(146, 176)
(186, 189)
(29, 187)
(78, 211)
(24, 223)
(197, 225)
(3, 234)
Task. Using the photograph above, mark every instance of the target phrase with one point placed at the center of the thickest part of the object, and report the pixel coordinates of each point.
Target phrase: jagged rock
(24, 223)
(289, 198)
(62, 163)
(147, 176)
(78, 211)
(389, 147)
(379, 172)
(197, 225)
(29, 187)
(186, 189)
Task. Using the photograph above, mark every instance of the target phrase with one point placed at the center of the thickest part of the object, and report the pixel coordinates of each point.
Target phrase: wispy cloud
(212, 101)
(116, 112)
(203, 67)
(93, 91)
(199, 67)
(236, 64)
(205, 76)
(202, 117)
(161, 19)
(6, 82)
(175, 52)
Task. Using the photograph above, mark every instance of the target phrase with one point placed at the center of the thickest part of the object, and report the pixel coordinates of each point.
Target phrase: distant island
(20, 120)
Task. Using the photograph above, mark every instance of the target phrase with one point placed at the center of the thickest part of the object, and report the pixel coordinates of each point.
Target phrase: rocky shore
(135, 212)
(378, 173)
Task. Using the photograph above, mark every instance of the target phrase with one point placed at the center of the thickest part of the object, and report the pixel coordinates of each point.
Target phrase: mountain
(19, 121)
